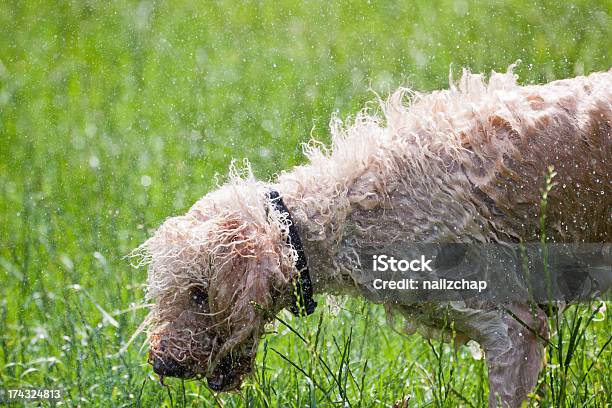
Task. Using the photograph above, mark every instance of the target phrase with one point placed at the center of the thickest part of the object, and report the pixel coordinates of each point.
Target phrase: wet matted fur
(459, 165)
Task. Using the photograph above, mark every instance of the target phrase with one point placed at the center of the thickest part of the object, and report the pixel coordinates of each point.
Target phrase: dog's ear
(251, 268)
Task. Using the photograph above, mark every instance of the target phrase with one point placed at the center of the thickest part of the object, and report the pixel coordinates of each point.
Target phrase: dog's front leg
(515, 363)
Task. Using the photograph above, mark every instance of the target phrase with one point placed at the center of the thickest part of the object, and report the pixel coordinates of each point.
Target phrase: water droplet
(94, 162)
(145, 181)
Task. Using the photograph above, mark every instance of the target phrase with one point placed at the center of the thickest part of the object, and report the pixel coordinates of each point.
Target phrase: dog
(466, 164)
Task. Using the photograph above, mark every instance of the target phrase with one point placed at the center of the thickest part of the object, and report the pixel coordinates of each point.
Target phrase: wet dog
(465, 164)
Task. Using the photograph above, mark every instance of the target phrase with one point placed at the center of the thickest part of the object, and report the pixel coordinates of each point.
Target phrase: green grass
(115, 115)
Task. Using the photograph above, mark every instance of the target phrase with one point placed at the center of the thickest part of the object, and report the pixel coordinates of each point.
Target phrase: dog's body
(463, 165)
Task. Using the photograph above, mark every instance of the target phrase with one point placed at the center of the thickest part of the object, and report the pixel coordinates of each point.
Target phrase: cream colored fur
(459, 165)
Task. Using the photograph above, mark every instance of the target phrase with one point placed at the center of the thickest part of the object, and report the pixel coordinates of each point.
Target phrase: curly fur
(459, 165)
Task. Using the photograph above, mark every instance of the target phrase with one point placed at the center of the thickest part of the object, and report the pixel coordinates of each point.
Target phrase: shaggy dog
(460, 165)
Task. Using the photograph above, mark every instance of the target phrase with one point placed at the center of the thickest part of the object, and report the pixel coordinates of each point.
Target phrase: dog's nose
(168, 367)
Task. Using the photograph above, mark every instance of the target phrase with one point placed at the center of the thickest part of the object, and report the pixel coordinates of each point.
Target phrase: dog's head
(217, 275)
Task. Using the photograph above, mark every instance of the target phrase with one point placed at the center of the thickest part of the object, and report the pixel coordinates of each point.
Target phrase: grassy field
(115, 115)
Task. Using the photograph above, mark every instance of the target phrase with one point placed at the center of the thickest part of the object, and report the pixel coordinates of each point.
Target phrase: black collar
(303, 285)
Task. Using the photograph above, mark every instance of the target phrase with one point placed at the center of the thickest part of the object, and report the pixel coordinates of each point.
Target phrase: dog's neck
(316, 246)
(321, 237)
(339, 221)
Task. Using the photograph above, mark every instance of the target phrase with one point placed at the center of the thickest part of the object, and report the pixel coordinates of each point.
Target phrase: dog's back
(565, 124)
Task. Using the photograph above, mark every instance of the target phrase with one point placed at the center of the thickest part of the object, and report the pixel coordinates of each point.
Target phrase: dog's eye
(199, 297)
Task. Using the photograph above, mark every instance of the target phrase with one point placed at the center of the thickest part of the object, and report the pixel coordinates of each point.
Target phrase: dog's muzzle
(227, 376)
(168, 367)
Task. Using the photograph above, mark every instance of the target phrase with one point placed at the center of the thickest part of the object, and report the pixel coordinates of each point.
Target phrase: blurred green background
(115, 115)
